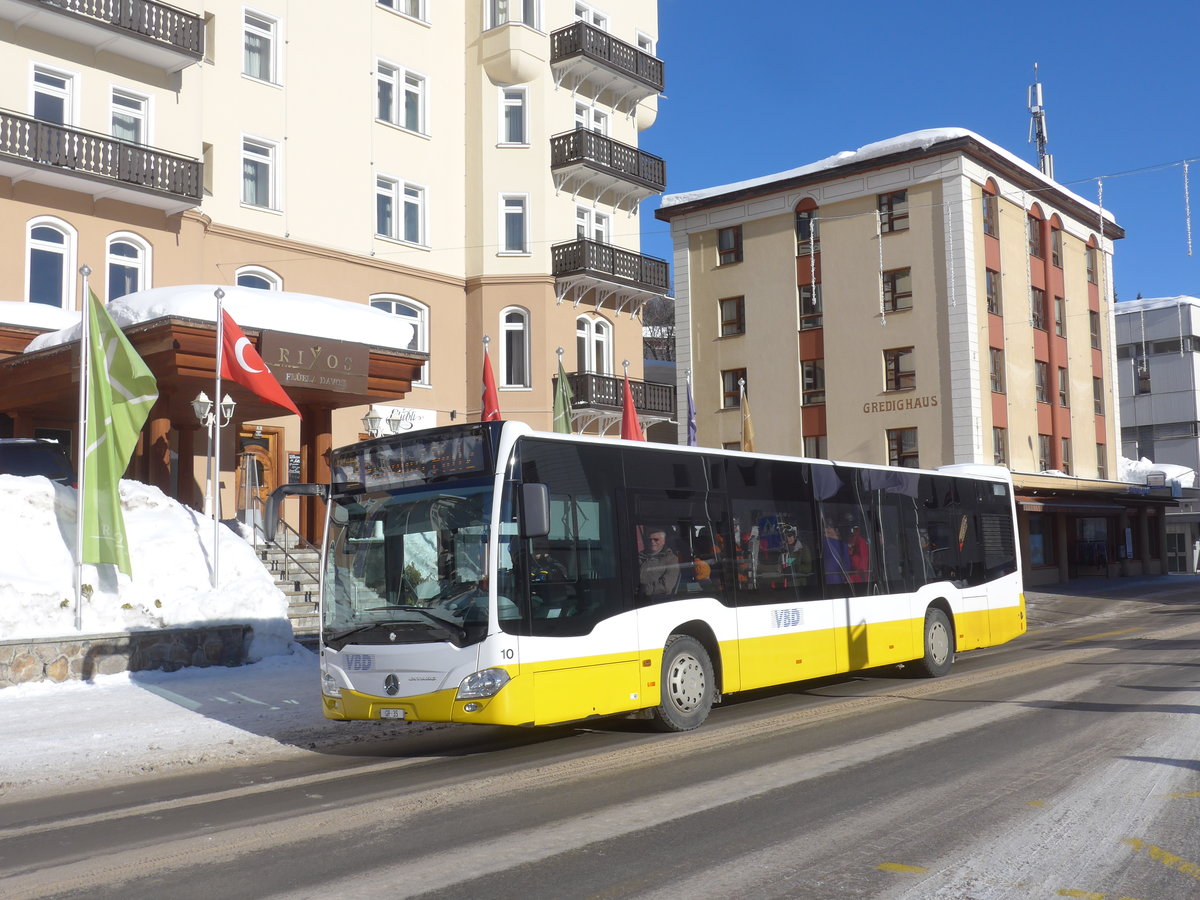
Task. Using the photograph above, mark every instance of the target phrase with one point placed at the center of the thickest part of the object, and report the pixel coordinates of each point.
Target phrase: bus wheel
(687, 685)
(939, 645)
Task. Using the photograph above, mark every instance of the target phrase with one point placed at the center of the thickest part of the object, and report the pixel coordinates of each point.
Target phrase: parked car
(33, 456)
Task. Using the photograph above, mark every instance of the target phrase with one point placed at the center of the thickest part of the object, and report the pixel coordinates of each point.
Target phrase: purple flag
(691, 416)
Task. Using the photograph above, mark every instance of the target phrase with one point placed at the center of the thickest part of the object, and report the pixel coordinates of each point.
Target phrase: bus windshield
(408, 567)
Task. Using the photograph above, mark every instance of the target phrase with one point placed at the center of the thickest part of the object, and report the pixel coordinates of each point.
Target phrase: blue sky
(781, 83)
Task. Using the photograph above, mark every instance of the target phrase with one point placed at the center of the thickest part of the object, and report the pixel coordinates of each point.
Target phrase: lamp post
(213, 418)
(372, 422)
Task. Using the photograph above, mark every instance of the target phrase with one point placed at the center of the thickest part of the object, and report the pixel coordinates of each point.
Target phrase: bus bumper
(511, 706)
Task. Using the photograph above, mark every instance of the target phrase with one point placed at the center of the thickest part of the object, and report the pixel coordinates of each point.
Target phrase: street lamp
(372, 422)
(213, 420)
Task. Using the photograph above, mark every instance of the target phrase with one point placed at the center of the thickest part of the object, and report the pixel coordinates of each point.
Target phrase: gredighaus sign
(900, 404)
(298, 360)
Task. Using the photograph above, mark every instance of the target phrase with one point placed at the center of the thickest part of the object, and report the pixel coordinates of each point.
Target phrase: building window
(893, 211)
(1094, 327)
(1060, 316)
(590, 117)
(810, 307)
(996, 361)
(729, 245)
(592, 224)
(1044, 461)
(991, 215)
(992, 284)
(400, 96)
(902, 447)
(399, 211)
(1098, 396)
(733, 316)
(897, 290)
(899, 371)
(53, 94)
(258, 278)
(646, 42)
(1101, 462)
(1065, 468)
(593, 345)
(813, 382)
(1056, 247)
(1064, 388)
(513, 116)
(595, 18)
(1042, 381)
(414, 9)
(999, 446)
(514, 223)
(417, 315)
(731, 388)
(129, 117)
(1141, 368)
(51, 252)
(258, 174)
(1037, 308)
(501, 12)
(514, 349)
(128, 265)
(1041, 539)
(816, 446)
(1091, 264)
(808, 233)
(1036, 248)
(259, 57)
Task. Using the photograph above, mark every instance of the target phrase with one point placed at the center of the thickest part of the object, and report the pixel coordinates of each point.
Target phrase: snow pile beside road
(170, 552)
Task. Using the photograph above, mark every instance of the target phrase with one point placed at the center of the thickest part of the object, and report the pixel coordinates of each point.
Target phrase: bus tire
(939, 645)
(688, 685)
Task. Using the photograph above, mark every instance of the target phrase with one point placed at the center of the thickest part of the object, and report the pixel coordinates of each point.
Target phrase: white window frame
(511, 204)
(594, 334)
(67, 250)
(405, 82)
(274, 281)
(393, 6)
(273, 34)
(592, 118)
(141, 115)
(142, 264)
(271, 160)
(513, 12)
(67, 93)
(418, 313)
(595, 225)
(403, 194)
(506, 328)
(519, 100)
(646, 42)
(585, 12)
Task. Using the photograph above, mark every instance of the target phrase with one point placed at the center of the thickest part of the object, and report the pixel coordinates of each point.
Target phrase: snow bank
(170, 553)
(1136, 471)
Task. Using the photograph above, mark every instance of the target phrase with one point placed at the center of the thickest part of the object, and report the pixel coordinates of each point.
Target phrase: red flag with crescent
(491, 400)
(241, 362)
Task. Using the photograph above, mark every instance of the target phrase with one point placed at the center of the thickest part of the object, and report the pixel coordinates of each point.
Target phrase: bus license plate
(391, 714)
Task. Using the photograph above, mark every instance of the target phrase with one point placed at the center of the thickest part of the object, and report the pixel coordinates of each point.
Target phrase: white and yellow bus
(487, 573)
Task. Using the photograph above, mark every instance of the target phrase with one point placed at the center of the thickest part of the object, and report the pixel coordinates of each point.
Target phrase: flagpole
(81, 444)
(215, 427)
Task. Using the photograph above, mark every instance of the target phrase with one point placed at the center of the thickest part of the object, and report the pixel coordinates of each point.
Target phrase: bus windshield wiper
(456, 633)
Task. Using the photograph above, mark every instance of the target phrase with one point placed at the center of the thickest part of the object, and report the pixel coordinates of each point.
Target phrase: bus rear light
(483, 684)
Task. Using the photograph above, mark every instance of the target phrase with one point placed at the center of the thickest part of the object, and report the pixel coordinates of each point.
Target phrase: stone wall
(82, 658)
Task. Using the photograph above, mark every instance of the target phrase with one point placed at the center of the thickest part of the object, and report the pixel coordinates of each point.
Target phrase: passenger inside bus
(659, 573)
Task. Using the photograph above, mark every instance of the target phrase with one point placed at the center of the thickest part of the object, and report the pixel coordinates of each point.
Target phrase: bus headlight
(329, 685)
(486, 683)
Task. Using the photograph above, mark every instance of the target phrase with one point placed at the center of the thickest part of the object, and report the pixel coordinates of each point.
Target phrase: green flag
(120, 391)
(563, 399)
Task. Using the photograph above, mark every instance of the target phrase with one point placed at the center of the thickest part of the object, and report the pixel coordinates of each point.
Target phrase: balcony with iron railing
(585, 162)
(597, 400)
(615, 277)
(78, 160)
(593, 63)
(144, 30)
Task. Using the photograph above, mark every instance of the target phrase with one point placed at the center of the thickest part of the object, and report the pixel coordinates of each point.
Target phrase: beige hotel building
(924, 301)
(471, 165)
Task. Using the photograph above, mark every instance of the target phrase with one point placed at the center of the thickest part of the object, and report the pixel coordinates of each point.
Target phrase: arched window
(514, 348)
(259, 278)
(415, 313)
(593, 345)
(128, 260)
(50, 254)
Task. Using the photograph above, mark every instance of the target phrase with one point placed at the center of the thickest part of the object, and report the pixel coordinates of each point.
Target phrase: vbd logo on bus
(788, 618)
(358, 662)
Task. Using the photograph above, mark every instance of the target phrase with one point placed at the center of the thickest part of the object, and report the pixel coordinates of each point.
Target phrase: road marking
(1102, 635)
(901, 867)
(1168, 859)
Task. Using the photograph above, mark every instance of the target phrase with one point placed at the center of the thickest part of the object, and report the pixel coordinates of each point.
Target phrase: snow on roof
(35, 315)
(339, 320)
(914, 140)
(1145, 304)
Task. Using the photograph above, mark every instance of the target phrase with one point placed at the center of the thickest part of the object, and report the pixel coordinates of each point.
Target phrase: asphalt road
(1065, 763)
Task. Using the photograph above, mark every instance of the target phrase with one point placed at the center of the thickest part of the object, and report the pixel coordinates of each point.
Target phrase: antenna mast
(1037, 125)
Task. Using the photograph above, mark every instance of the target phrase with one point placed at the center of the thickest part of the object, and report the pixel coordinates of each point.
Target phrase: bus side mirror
(535, 510)
(271, 513)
